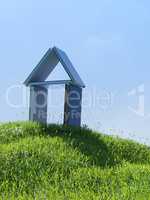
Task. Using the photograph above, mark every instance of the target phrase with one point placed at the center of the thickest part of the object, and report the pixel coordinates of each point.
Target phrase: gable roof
(47, 64)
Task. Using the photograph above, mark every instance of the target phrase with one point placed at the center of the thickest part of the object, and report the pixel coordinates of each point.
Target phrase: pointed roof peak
(47, 64)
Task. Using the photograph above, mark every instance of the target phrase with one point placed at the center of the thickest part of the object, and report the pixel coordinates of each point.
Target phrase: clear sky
(108, 42)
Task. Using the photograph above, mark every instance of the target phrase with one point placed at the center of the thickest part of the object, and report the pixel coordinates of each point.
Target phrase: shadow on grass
(88, 143)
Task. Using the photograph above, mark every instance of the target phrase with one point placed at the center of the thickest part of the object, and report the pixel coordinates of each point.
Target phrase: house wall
(72, 108)
(38, 104)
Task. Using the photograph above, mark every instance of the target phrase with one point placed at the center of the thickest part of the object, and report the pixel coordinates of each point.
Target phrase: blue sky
(108, 43)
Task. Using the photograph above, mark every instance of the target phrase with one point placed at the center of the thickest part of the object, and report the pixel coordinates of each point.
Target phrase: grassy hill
(57, 162)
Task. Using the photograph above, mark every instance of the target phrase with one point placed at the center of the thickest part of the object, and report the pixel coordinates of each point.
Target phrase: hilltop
(66, 163)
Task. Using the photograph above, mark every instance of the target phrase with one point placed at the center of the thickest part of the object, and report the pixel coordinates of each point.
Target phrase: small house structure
(39, 88)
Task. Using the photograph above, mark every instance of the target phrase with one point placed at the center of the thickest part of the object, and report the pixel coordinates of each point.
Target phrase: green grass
(65, 163)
